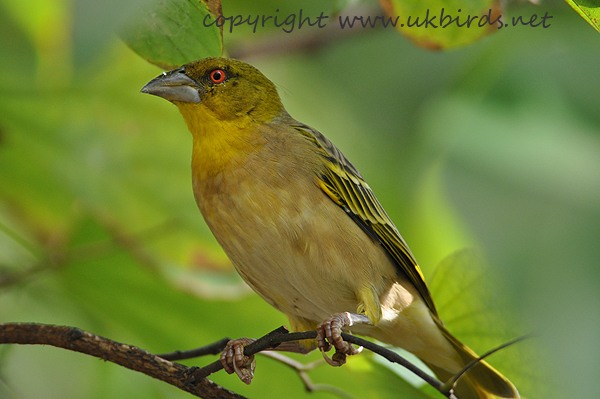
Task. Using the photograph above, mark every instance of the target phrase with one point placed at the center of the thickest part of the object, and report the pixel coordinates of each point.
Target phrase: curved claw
(336, 360)
(234, 360)
(330, 333)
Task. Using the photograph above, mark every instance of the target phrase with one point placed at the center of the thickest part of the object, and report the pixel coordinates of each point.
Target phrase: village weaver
(304, 229)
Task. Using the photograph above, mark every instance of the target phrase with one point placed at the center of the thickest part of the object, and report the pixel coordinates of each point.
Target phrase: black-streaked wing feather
(343, 183)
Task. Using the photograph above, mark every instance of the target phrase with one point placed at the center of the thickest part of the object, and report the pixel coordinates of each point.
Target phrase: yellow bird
(303, 228)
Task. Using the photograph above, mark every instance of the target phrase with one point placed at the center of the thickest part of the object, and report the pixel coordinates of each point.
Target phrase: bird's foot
(330, 333)
(234, 360)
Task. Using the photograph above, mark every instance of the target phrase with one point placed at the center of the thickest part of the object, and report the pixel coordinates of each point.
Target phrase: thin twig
(394, 358)
(451, 383)
(10, 278)
(211, 349)
(302, 370)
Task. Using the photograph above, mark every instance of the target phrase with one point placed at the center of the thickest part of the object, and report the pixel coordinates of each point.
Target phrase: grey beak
(174, 86)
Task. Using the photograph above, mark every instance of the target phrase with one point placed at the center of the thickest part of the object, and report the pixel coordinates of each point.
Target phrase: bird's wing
(342, 182)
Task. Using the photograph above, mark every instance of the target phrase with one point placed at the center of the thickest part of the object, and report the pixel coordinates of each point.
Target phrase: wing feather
(343, 183)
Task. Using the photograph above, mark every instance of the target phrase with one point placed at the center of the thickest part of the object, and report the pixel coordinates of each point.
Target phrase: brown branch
(280, 335)
(125, 355)
(193, 379)
(310, 40)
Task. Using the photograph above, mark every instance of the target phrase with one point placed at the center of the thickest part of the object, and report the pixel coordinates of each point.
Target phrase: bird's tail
(482, 381)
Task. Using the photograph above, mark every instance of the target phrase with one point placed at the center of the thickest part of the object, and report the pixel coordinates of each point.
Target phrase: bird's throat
(218, 145)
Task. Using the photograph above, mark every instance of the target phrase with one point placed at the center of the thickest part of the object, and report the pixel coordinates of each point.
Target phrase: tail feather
(466, 388)
(482, 381)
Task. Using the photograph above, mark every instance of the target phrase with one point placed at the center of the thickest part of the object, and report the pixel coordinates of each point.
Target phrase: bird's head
(229, 89)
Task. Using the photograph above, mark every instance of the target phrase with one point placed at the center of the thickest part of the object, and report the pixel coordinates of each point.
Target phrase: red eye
(218, 76)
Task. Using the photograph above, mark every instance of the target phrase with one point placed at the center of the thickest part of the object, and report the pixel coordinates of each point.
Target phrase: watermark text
(435, 20)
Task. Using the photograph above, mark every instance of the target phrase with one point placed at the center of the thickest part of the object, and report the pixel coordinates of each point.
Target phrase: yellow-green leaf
(169, 33)
(589, 10)
(444, 24)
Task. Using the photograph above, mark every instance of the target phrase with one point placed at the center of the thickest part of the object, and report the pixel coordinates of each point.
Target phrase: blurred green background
(495, 146)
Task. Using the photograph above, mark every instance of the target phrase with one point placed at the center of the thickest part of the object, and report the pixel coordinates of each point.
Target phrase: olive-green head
(231, 89)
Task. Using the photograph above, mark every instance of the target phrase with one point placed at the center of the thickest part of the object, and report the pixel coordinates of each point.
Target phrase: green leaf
(170, 33)
(94, 24)
(589, 10)
(467, 296)
(444, 24)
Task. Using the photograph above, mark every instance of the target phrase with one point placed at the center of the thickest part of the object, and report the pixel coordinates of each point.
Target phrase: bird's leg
(234, 360)
(330, 333)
